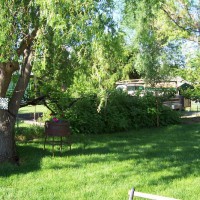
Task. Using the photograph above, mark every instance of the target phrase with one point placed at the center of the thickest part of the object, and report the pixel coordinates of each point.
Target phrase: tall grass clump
(25, 132)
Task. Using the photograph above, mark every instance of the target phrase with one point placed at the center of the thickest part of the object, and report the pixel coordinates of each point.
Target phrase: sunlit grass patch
(32, 109)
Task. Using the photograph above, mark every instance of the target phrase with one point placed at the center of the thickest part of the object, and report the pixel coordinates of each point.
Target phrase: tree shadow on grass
(174, 149)
(176, 152)
(30, 160)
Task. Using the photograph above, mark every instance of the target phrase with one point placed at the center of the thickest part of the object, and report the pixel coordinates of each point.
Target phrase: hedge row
(120, 112)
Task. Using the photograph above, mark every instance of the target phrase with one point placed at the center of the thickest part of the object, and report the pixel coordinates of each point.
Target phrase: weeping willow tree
(159, 30)
(54, 39)
(141, 17)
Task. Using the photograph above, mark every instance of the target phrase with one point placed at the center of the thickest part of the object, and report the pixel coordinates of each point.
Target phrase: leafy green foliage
(78, 40)
(68, 40)
(83, 116)
(147, 44)
(191, 74)
(159, 30)
(18, 19)
(118, 113)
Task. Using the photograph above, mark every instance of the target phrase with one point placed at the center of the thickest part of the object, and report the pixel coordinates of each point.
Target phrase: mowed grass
(163, 161)
(32, 109)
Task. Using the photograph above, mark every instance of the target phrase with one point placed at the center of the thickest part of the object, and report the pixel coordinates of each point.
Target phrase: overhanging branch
(33, 102)
(189, 30)
(27, 41)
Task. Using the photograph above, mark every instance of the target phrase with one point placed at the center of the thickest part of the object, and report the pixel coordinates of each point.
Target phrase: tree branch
(22, 83)
(189, 30)
(33, 102)
(45, 104)
(27, 41)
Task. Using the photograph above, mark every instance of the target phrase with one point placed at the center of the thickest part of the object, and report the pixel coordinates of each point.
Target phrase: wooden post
(157, 110)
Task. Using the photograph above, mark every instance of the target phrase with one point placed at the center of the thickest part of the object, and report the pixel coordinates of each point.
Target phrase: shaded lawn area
(163, 161)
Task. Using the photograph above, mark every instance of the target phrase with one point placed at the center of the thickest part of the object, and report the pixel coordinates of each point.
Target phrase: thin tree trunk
(157, 111)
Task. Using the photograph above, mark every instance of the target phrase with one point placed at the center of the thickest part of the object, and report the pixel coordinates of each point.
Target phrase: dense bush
(120, 112)
(83, 116)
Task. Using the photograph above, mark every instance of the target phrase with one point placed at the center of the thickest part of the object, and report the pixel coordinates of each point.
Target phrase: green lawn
(32, 109)
(163, 161)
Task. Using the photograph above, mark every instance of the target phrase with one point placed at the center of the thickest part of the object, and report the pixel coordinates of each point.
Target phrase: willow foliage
(160, 27)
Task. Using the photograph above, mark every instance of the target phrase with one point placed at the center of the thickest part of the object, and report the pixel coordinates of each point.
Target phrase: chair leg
(61, 143)
(54, 142)
(45, 139)
(69, 142)
(53, 147)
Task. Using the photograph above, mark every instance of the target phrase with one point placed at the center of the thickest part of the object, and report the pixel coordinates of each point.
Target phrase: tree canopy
(58, 41)
(160, 28)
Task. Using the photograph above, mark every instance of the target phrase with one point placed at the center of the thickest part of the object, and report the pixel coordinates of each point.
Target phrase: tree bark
(6, 71)
(7, 142)
(22, 83)
(8, 117)
(7, 121)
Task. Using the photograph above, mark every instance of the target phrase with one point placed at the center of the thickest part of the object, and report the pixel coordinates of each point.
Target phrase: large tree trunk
(7, 142)
(8, 117)
(7, 121)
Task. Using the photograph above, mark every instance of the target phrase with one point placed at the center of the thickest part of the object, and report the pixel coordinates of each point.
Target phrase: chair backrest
(60, 129)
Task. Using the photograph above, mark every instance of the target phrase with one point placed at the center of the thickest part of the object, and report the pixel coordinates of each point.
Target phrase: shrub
(167, 116)
(83, 116)
(120, 112)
